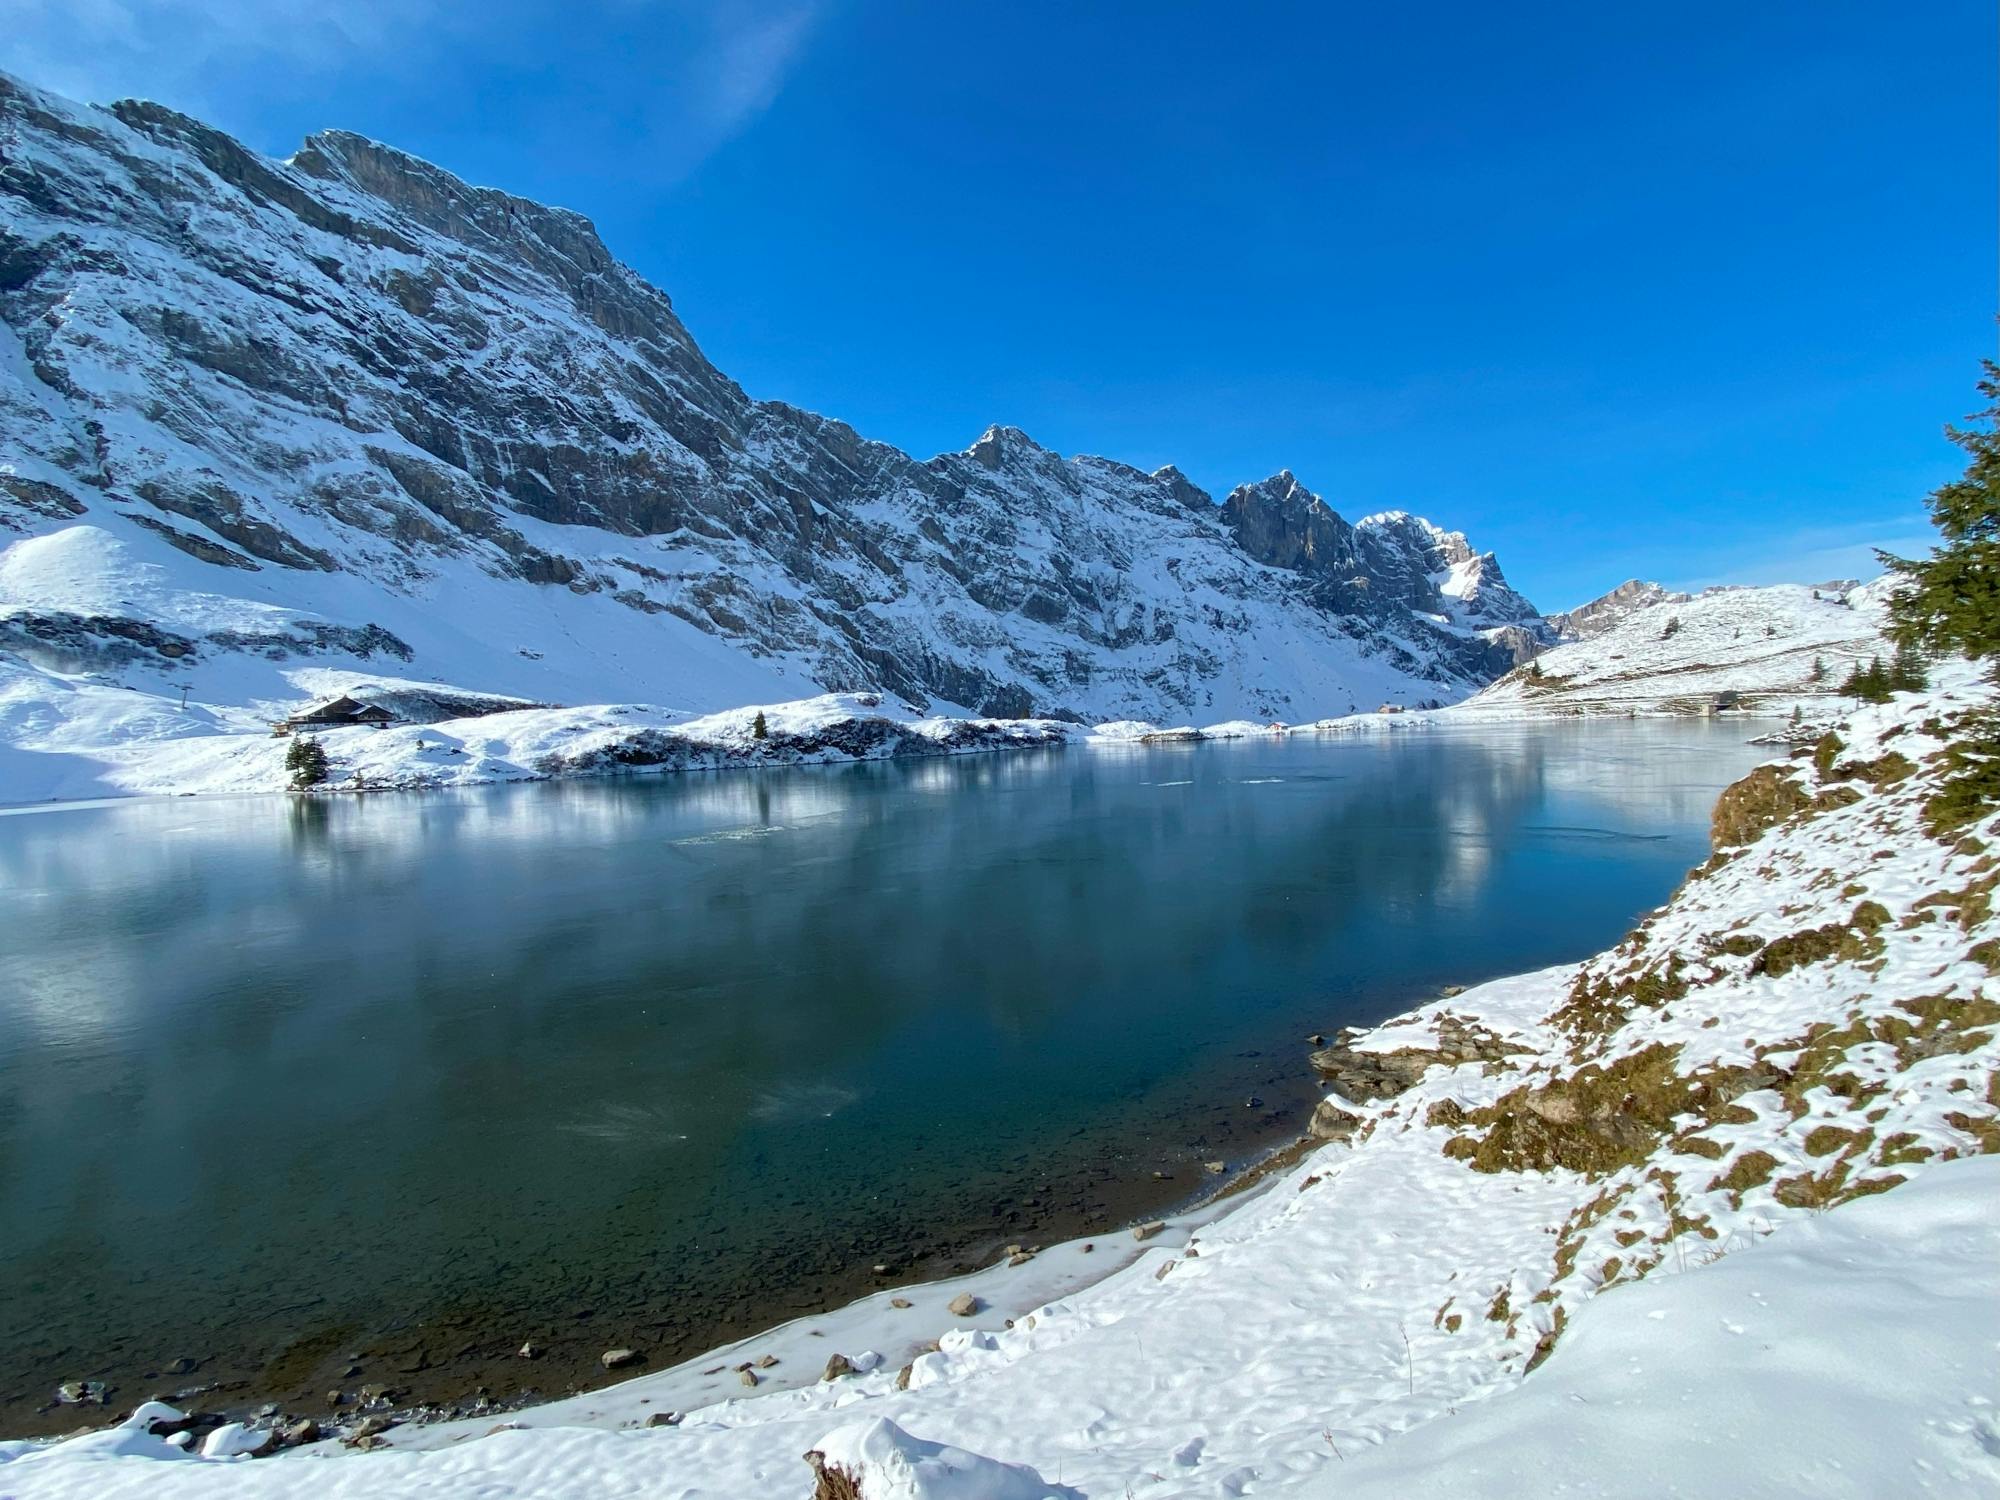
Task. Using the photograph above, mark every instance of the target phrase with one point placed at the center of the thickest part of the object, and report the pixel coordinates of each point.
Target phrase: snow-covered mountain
(368, 418)
(1764, 650)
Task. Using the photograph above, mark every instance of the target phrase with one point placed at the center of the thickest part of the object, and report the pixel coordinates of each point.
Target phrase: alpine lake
(287, 1082)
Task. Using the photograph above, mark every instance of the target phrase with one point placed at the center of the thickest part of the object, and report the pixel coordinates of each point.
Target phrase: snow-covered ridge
(445, 425)
(1721, 1179)
(1758, 650)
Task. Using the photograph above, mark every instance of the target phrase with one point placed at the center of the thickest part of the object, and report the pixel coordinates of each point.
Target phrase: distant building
(338, 713)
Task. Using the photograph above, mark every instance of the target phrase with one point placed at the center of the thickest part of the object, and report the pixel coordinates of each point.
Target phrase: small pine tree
(1535, 670)
(1819, 669)
(759, 730)
(1673, 629)
(1954, 601)
(1869, 684)
(306, 760)
(1796, 714)
(1906, 672)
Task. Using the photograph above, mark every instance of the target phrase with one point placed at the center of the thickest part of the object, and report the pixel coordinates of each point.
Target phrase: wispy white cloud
(192, 54)
(711, 67)
(751, 54)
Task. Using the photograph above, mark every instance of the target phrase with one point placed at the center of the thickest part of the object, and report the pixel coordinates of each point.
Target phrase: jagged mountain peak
(1184, 489)
(999, 443)
(1283, 488)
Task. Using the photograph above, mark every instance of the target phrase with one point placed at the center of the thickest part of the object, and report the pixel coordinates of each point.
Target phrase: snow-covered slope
(1764, 650)
(348, 413)
(1692, 1217)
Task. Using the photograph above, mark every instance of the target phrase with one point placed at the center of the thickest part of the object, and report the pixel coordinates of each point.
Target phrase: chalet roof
(341, 708)
(343, 705)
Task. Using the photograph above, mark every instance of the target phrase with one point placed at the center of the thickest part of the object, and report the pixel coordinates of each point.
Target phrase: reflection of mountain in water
(590, 1035)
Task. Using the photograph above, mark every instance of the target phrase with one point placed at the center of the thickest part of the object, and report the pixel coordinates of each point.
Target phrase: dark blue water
(652, 1061)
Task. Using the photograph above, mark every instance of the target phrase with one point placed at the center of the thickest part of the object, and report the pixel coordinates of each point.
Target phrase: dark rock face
(1282, 523)
(353, 363)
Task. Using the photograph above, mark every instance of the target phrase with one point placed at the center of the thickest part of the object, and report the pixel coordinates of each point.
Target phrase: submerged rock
(617, 1359)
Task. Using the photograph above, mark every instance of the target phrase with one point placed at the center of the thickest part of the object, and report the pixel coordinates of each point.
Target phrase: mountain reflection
(365, 1054)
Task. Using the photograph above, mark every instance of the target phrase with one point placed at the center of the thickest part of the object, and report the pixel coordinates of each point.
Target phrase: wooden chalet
(337, 713)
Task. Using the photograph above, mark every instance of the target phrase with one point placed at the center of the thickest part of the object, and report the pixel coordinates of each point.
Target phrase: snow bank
(63, 739)
(886, 1463)
(1850, 1358)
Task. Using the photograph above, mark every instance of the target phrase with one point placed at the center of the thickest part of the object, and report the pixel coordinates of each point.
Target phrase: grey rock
(618, 1359)
(1144, 1232)
(367, 1433)
(1330, 1122)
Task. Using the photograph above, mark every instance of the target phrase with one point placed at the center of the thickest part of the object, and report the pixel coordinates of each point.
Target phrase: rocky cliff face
(350, 385)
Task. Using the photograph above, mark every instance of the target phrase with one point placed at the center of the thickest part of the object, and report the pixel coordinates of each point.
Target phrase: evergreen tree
(306, 760)
(759, 730)
(1673, 628)
(1906, 672)
(1870, 684)
(1953, 603)
(1819, 669)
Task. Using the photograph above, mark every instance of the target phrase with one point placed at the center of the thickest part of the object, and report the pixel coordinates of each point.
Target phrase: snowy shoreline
(196, 757)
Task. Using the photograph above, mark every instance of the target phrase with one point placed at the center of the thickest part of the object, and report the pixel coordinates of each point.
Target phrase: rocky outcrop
(1365, 1075)
(1609, 609)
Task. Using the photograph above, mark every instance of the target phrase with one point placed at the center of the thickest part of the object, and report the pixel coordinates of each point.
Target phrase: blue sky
(1682, 291)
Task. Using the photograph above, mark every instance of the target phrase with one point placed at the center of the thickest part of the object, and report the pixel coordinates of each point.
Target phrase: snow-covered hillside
(1693, 1217)
(1761, 650)
(345, 413)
